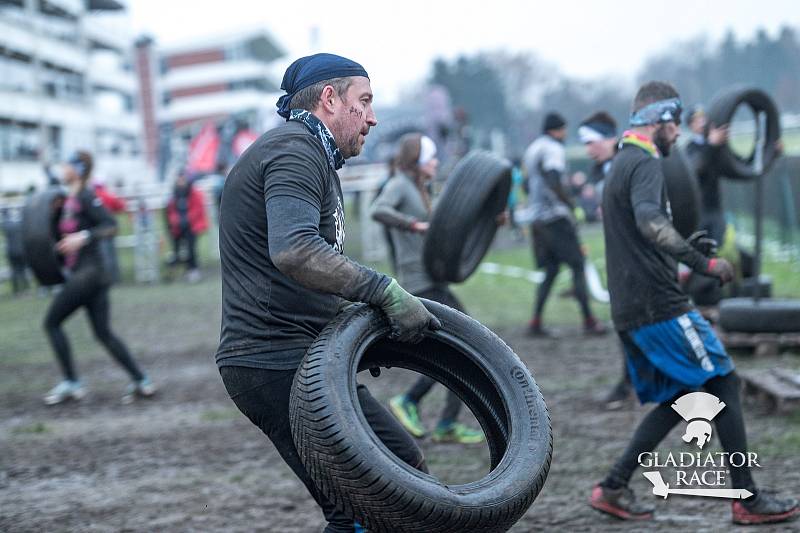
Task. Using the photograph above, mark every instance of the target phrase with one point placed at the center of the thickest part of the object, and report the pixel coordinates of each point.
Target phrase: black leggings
(660, 421)
(578, 283)
(19, 279)
(423, 384)
(263, 397)
(191, 243)
(556, 243)
(85, 288)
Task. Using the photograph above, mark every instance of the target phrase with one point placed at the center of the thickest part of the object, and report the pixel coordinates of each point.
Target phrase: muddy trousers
(556, 243)
(660, 421)
(263, 397)
(424, 384)
(85, 288)
(579, 288)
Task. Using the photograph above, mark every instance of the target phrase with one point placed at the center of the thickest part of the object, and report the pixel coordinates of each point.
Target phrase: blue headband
(309, 70)
(658, 112)
(77, 163)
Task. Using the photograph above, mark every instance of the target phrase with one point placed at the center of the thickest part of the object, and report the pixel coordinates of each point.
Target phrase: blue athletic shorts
(673, 356)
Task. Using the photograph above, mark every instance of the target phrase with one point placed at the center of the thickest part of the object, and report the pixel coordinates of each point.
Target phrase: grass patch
(175, 317)
(780, 443)
(500, 301)
(149, 318)
(35, 428)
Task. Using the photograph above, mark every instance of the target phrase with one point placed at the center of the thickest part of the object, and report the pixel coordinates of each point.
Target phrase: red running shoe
(764, 508)
(620, 503)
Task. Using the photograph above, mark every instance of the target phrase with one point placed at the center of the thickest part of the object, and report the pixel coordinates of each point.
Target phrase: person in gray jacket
(404, 208)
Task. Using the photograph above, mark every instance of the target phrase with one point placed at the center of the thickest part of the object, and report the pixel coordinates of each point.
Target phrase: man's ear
(328, 98)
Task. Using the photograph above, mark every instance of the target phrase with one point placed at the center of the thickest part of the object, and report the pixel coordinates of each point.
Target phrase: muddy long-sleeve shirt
(642, 246)
(281, 247)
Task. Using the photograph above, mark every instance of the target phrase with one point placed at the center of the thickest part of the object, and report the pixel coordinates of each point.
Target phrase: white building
(67, 83)
(231, 81)
(215, 78)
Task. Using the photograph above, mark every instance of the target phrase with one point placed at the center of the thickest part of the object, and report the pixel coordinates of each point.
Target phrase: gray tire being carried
(39, 227)
(357, 472)
(745, 315)
(721, 111)
(464, 222)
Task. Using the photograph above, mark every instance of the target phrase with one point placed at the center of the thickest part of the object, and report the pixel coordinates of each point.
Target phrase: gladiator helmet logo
(698, 409)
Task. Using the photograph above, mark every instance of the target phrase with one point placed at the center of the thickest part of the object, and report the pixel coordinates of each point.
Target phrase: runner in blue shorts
(671, 350)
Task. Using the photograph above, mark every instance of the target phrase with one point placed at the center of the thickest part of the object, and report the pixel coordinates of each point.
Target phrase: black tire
(765, 316)
(721, 111)
(703, 290)
(355, 470)
(683, 192)
(464, 222)
(747, 287)
(39, 228)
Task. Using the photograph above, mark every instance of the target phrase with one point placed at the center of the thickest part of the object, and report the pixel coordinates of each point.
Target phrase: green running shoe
(406, 412)
(458, 433)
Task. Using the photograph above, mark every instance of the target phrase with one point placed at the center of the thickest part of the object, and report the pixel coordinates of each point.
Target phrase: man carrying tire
(671, 349)
(703, 149)
(555, 237)
(284, 275)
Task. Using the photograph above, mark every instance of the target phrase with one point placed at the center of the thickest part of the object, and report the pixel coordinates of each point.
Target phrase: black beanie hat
(553, 121)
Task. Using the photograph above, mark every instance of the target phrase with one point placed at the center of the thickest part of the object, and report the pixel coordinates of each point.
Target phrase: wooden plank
(781, 387)
(763, 343)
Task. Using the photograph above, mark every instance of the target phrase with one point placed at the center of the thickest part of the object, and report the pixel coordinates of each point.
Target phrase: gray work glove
(700, 241)
(407, 316)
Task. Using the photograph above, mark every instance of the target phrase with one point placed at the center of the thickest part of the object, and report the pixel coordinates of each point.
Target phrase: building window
(18, 142)
(16, 75)
(255, 84)
(237, 52)
(62, 85)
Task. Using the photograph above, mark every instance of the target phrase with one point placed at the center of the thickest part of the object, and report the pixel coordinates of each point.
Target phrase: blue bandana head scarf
(309, 70)
(658, 113)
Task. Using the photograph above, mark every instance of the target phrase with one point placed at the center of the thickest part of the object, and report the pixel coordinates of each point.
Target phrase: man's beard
(349, 146)
(661, 141)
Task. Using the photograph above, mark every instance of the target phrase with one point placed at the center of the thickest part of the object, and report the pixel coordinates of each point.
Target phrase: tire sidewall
(529, 444)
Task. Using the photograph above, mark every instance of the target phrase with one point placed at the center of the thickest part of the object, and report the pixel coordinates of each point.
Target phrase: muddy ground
(188, 461)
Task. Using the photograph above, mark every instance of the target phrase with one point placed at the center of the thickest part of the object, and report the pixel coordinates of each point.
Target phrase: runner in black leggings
(83, 222)
(404, 207)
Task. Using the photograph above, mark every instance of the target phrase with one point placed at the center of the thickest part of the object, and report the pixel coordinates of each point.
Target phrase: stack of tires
(746, 314)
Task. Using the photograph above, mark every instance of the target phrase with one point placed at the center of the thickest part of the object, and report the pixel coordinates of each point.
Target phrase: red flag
(203, 150)
(242, 141)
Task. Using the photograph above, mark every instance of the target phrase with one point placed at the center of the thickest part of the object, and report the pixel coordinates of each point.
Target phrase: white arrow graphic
(662, 489)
